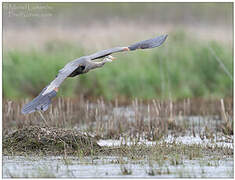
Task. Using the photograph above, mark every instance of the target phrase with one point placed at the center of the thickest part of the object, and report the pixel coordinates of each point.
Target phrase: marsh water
(108, 166)
(121, 166)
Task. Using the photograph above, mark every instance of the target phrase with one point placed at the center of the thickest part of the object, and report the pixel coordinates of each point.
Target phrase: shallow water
(108, 166)
(188, 140)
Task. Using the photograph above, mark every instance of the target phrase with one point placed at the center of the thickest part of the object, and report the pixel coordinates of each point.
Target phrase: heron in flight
(80, 66)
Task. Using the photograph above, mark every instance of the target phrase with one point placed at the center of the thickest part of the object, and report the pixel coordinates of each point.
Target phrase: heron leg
(44, 120)
(93, 65)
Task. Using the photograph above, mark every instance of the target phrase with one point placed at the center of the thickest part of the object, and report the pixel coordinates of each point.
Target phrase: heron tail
(41, 102)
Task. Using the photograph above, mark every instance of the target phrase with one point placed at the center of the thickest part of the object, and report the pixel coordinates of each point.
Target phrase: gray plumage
(80, 66)
(150, 43)
(39, 103)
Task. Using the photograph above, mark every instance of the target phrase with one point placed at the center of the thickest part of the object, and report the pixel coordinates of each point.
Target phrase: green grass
(182, 67)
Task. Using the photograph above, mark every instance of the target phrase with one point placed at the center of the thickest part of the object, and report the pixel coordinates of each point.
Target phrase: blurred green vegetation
(182, 67)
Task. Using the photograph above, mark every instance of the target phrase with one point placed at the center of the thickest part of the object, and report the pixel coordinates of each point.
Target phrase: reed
(135, 119)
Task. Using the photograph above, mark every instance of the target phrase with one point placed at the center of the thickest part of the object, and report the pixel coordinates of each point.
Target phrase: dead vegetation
(136, 120)
(34, 139)
(227, 124)
(107, 119)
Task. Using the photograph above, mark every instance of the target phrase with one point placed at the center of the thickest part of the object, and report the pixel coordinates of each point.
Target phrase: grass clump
(175, 151)
(35, 139)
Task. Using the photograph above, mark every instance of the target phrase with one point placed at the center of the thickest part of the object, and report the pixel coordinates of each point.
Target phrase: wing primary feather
(150, 43)
(41, 102)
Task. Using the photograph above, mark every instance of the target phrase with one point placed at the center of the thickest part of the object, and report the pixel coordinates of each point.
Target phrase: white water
(107, 166)
(189, 140)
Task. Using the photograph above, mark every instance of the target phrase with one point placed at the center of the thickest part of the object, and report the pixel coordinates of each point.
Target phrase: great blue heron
(80, 66)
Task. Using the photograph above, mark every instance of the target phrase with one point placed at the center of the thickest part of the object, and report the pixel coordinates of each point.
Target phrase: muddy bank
(48, 140)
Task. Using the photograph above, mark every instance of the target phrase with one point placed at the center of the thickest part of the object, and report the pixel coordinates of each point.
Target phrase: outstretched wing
(43, 100)
(62, 75)
(147, 44)
(39, 103)
(106, 52)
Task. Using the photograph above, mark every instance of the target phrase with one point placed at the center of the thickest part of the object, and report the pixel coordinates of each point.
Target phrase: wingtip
(22, 111)
(39, 103)
(25, 111)
(164, 36)
(27, 108)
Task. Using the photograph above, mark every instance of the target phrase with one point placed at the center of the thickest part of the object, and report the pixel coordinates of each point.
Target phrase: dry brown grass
(136, 118)
(45, 140)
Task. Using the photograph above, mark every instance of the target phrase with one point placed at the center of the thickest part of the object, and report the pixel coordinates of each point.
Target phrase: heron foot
(109, 58)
